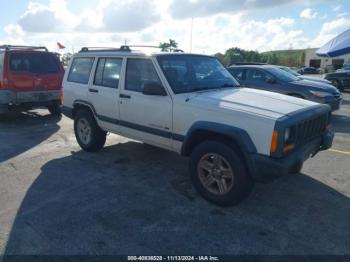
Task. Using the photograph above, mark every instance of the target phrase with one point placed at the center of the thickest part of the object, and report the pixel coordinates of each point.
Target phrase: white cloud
(112, 22)
(337, 8)
(129, 16)
(32, 20)
(308, 14)
(330, 30)
(180, 9)
(342, 14)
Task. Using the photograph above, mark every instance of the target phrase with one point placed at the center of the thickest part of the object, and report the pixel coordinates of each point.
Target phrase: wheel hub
(215, 173)
(84, 130)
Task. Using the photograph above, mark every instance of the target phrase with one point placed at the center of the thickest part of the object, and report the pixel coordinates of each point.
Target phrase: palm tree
(171, 45)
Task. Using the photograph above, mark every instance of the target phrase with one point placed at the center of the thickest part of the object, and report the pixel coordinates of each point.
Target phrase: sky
(217, 25)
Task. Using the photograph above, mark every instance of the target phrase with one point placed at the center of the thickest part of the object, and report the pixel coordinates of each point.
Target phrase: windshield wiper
(208, 88)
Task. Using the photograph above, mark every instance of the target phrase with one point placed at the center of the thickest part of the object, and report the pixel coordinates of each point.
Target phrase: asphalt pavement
(132, 198)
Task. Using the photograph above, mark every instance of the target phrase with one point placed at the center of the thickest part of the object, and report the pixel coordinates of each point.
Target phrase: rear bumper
(10, 98)
(267, 167)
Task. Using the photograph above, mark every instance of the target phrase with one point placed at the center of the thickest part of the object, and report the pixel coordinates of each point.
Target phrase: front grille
(311, 128)
(336, 94)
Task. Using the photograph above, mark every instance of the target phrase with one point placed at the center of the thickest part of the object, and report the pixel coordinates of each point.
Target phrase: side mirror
(153, 89)
(271, 80)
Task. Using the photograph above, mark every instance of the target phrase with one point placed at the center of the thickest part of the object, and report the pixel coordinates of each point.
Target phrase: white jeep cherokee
(191, 105)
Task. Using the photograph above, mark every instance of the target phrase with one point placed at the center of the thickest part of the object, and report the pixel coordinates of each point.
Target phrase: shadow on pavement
(23, 131)
(341, 123)
(135, 199)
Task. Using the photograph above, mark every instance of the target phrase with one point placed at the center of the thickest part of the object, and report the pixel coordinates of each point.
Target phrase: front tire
(89, 135)
(219, 173)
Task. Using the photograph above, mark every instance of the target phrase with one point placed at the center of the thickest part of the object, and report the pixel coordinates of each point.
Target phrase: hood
(315, 79)
(339, 74)
(315, 86)
(272, 105)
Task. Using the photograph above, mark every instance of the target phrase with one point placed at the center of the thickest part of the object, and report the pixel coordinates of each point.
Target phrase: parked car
(309, 71)
(346, 67)
(190, 104)
(341, 80)
(310, 78)
(274, 79)
(29, 76)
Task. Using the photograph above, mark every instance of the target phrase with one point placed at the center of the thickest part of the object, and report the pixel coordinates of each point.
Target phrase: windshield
(282, 75)
(287, 69)
(190, 73)
(346, 66)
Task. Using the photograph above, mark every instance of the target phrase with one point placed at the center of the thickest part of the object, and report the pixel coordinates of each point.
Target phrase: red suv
(29, 77)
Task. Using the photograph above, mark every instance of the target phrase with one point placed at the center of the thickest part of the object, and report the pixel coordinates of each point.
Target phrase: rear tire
(89, 135)
(212, 162)
(55, 109)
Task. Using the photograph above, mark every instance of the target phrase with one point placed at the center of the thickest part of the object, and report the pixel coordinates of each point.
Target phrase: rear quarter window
(80, 70)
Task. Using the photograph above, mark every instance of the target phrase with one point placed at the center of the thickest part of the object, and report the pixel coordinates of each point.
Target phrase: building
(311, 59)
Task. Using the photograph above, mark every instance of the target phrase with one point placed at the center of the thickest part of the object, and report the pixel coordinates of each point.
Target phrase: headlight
(286, 134)
(320, 94)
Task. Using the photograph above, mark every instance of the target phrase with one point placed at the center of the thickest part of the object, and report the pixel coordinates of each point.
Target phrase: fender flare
(238, 135)
(86, 104)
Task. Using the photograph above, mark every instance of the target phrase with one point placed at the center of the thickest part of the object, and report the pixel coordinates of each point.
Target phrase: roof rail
(168, 49)
(248, 63)
(123, 48)
(23, 47)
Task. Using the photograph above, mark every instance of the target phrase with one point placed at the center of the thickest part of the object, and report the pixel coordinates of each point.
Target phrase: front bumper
(267, 167)
(335, 104)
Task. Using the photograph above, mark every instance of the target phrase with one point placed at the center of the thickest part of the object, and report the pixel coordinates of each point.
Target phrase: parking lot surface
(132, 198)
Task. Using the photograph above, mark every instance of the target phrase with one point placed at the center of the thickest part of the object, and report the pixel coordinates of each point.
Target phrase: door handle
(124, 96)
(93, 90)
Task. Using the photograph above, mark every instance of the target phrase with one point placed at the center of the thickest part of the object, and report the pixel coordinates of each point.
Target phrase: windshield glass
(287, 69)
(282, 75)
(190, 73)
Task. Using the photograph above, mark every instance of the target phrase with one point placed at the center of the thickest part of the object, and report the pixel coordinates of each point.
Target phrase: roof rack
(248, 63)
(169, 49)
(23, 47)
(124, 48)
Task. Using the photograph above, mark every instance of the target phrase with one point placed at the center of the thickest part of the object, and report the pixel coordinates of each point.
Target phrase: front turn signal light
(274, 142)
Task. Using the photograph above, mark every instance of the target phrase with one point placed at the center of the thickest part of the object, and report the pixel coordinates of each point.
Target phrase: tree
(166, 46)
(65, 58)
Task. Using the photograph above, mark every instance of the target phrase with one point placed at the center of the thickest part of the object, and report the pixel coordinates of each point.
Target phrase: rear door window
(38, 63)
(19, 62)
(80, 70)
(108, 72)
(44, 63)
(256, 75)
